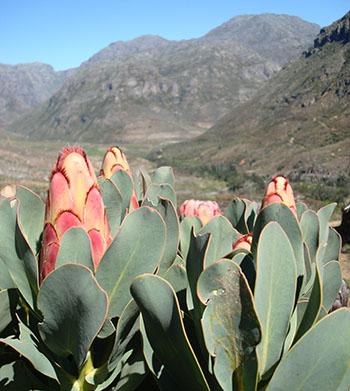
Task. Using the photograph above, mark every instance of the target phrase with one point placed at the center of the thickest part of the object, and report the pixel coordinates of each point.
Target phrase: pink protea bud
(243, 242)
(280, 191)
(204, 210)
(113, 161)
(74, 200)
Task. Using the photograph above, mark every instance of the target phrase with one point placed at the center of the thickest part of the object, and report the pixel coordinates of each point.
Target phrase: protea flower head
(113, 161)
(243, 242)
(204, 210)
(280, 191)
(73, 200)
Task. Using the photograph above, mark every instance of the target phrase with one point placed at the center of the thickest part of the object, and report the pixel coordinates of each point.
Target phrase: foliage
(172, 304)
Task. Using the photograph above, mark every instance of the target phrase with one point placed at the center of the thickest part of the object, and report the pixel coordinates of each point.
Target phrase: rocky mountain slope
(299, 123)
(152, 88)
(25, 86)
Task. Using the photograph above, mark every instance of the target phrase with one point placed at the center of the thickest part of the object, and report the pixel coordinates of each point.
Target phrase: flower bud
(280, 191)
(204, 210)
(74, 200)
(113, 161)
(243, 242)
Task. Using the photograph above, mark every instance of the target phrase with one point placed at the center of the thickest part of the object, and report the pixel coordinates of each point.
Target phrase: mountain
(151, 88)
(299, 123)
(25, 86)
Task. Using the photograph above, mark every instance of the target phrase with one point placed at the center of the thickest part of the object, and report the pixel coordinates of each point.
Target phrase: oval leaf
(230, 324)
(286, 219)
(74, 308)
(31, 214)
(136, 249)
(223, 235)
(320, 360)
(75, 248)
(165, 330)
(274, 294)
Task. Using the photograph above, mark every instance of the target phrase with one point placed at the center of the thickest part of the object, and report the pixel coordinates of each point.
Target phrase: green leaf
(230, 324)
(30, 347)
(31, 214)
(146, 180)
(320, 360)
(6, 281)
(74, 308)
(18, 270)
(133, 371)
(137, 180)
(75, 248)
(137, 248)
(308, 267)
(236, 215)
(185, 233)
(223, 236)
(124, 185)
(246, 376)
(167, 210)
(275, 289)
(164, 175)
(28, 258)
(241, 213)
(286, 219)
(301, 208)
(126, 330)
(113, 202)
(333, 248)
(293, 325)
(165, 330)
(176, 276)
(310, 228)
(324, 215)
(107, 329)
(194, 267)
(331, 282)
(160, 190)
(29, 227)
(313, 307)
(8, 302)
(16, 376)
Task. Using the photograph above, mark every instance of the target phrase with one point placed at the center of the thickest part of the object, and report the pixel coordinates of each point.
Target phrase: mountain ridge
(153, 87)
(24, 86)
(299, 123)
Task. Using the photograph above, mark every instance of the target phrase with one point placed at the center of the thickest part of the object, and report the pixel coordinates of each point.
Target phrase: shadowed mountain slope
(299, 123)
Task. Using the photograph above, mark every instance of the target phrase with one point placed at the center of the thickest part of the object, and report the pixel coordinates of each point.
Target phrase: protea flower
(204, 210)
(243, 242)
(113, 161)
(74, 200)
(280, 191)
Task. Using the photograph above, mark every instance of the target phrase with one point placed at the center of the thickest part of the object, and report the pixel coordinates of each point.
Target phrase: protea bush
(105, 287)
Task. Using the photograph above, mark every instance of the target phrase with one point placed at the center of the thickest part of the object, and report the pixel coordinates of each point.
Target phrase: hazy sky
(64, 33)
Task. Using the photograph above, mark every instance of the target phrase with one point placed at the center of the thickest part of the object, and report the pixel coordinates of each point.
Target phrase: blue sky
(66, 32)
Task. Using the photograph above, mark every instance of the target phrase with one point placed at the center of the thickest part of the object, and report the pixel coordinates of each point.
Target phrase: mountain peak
(119, 49)
(338, 31)
(275, 30)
